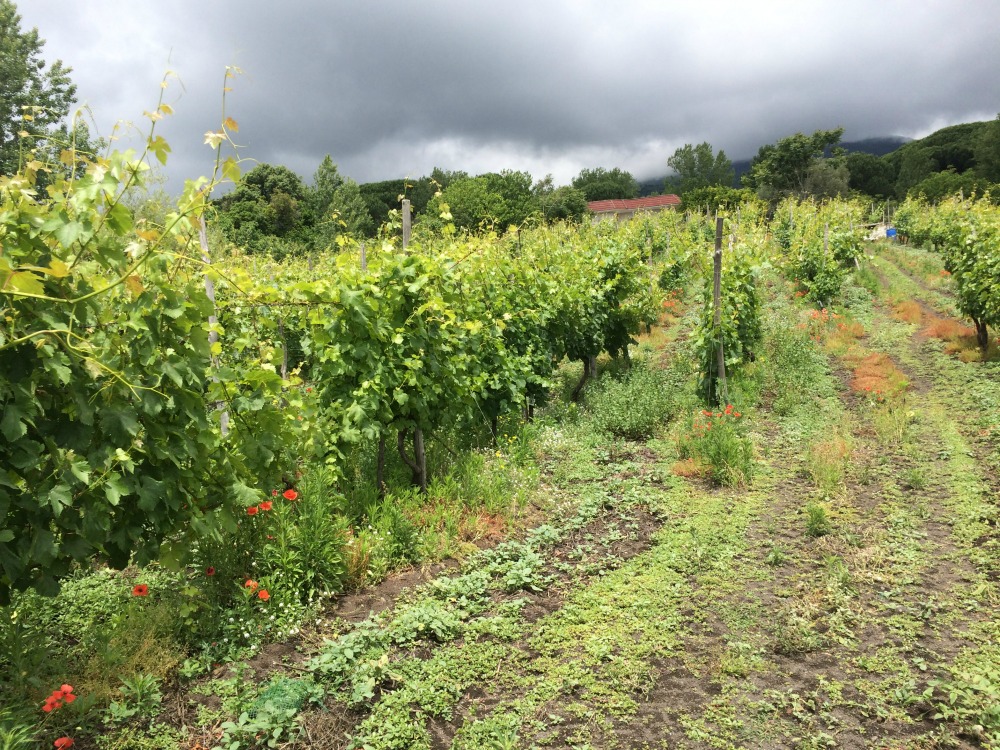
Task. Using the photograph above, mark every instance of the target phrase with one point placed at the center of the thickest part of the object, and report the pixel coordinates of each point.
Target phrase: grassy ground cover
(815, 564)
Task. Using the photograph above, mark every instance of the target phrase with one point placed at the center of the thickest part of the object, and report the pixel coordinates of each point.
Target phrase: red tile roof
(633, 204)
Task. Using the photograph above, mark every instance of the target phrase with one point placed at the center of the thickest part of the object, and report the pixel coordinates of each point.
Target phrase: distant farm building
(625, 208)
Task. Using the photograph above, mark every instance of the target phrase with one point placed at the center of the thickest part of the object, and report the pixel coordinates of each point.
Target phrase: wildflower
(251, 584)
(737, 414)
(63, 695)
(140, 589)
(252, 510)
(263, 595)
(63, 742)
(290, 494)
(266, 505)
(210, 571)
(274, 493)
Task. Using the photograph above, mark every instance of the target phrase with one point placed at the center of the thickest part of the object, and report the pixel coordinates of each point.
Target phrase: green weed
(817, 520)
(635, 405)
(718, 441)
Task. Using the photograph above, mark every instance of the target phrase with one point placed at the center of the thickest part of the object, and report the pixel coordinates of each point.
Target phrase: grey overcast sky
(392, 89)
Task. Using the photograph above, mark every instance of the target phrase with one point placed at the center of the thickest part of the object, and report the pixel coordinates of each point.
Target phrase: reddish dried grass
(907, 311)
(947, 329)
(876, 373)
(687, 468)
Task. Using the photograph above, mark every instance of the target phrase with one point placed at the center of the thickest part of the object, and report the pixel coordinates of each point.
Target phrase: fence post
(407, 219)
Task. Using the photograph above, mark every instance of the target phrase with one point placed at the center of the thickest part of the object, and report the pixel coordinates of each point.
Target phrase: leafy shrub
(739, 331)
(426, 620)
(717, 442)
(633, 406)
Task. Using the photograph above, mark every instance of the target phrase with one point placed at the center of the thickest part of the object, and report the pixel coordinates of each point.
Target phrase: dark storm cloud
(392, 89)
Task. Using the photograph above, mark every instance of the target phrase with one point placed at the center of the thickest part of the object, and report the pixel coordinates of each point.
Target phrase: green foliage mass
(602, 184)
(967, 233)
(783, 168)
(108, 447)
(495, 200)
(697, 167)
(35, 100)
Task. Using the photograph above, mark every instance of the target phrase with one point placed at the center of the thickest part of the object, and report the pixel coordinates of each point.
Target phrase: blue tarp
(890, 232)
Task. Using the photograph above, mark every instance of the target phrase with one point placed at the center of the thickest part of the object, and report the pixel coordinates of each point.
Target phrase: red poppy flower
(63, 742)
(263, 595)
(252, 510)
(266, 505)
(251, 584)
(140, 589)
(290, 495)
(66, 689)
(50, 704)
(69, 697)
(210, 571)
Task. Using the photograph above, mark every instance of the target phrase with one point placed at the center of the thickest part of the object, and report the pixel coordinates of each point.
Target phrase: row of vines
(150, 395)
(966, 231)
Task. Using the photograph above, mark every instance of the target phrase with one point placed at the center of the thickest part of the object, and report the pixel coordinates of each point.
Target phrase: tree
(346, 213)
(827, 178)
(564, 203)
(941, 185)
(29, 87)
(602, 184)
(987, 151)
(870, 174)
(493, 200)
(782, 168)
(916, 165)
(270, 201)
(697, 167)
(326, 181)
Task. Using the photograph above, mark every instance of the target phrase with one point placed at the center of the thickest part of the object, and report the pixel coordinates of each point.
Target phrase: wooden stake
(407, 219)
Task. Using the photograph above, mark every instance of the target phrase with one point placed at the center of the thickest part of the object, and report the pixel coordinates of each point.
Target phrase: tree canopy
(602, 184)
(698, 167)
(29, 86)
(783, 168)
(565, 203)
(496, 200)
